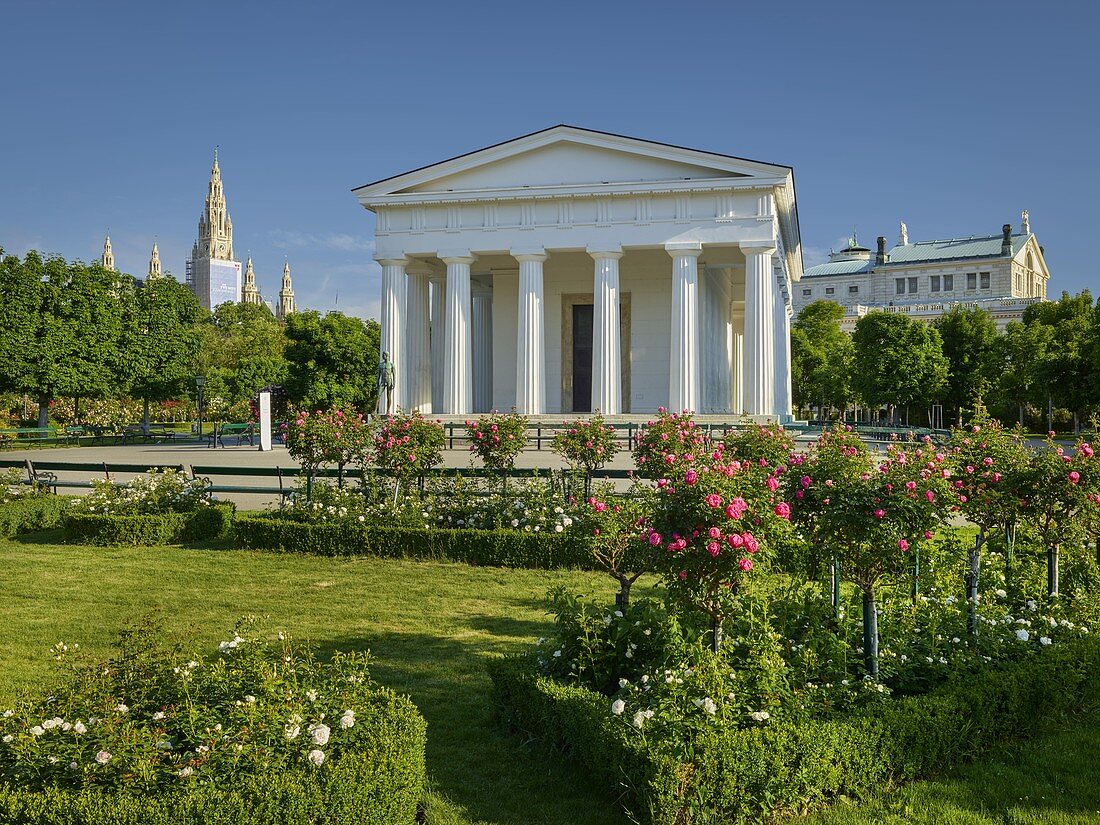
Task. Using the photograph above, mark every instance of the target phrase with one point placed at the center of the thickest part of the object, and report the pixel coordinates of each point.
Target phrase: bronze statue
(386, 383)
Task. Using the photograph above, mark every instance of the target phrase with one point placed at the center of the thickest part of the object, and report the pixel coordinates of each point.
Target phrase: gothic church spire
(286, 295)
(108, 257)
(154, 263)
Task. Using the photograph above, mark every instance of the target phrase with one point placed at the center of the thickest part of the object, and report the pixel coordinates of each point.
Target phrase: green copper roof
(839, 268)
(986, 246)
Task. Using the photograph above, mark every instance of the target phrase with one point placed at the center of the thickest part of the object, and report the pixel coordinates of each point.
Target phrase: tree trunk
(870, 632)
(1052, 570)
(76, 409)
(145, 416)
(1010, 547)
(622, 598)
(715, 635)
(1021, 416)
(974, 566)
(43, 410)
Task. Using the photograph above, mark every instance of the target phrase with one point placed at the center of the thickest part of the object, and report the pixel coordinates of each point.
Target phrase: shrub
(746, 774)
(29, 513)
(259, 732)
(339, 436)
(671, 437)
(756, 442)
(504, 548)
(161, 490)
(497, 439)
(148, 530)
(409, 444)
(586, 445)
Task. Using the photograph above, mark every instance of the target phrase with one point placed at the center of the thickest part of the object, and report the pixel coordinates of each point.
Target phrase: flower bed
(260, 732)
(741, 774)
(159, 507)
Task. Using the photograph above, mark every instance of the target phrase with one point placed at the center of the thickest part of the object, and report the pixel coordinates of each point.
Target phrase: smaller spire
(286, 295)
(108, 257)
(154, 263)
(904, 234)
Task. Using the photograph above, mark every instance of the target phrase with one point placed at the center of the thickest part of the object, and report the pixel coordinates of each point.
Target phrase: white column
(418, 365)
(482, 349)
(737, 357)
(457, 366)
(783, 399)
(393, 321)
(607, 379)
(759, 346)
(439, 341)
(530, 336)
(683, 381)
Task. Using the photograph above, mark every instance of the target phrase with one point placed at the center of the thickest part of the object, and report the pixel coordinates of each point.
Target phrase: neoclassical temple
(571, 271)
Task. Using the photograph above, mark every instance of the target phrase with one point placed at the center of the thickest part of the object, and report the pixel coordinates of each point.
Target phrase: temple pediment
(568, 156)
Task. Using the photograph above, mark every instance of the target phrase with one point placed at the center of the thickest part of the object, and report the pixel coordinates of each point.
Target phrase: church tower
(154, 263)
(212, 274)
(286, 295)
(108, 257)
(250, 294)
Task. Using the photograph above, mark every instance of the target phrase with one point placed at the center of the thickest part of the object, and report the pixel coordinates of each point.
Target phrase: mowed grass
(430, 627)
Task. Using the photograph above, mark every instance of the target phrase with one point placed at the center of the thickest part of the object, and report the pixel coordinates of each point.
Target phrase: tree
(821, 358)
(1017, 355)
(161, 342)
(969, 338)
(64, 322)
(898, 361)
(1065, 368)
(332, 360)
(243, 349)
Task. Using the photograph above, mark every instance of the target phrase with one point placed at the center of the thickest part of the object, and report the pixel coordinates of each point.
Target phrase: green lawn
(430, 627)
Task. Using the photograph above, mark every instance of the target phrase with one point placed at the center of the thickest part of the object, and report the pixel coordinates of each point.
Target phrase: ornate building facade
(212, 274)
(286, 295)
(1002, 274)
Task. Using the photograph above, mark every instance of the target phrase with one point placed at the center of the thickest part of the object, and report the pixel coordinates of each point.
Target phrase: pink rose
(745, 565)
(928, 534)
(1074, 477)
(713, 548)
(734, 540)
(654, 539)
(750, 542)
(783, 510)
(714, 500)
(928, 494)
(880, 513)
(690, 477)
(773, 483)
(903, 545)
(714, 533)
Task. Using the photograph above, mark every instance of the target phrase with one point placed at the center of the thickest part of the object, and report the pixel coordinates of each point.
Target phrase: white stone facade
(577, 271)
(1003, 274)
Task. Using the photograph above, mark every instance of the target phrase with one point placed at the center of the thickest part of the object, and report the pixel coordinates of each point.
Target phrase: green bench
(238, 431)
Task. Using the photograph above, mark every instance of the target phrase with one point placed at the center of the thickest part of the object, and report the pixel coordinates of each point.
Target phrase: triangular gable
(1036, 251)
(567, 155)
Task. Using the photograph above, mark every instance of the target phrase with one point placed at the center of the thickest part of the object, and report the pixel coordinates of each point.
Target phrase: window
(912, 286)
(935, 283)
(985, 280)
(853, 290)
(829, 290)
(971, 280)
(899, 286)
(805, 293)
(948, 283)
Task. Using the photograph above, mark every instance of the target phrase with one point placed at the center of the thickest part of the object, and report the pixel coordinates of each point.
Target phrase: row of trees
(81, 331)
(1051, 359)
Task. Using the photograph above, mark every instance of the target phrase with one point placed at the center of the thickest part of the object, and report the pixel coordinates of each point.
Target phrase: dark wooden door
(582, 357)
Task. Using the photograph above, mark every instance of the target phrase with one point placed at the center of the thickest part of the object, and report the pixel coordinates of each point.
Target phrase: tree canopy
(333, 360)
(898, 361)
(821, 357)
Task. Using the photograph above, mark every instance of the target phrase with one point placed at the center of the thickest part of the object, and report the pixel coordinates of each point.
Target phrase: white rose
(319, 733)
(348, 719)
(1044, 641)
(1022, 635)
(618, 706)
(38, 730)
(316, 757)
(292, 731)
(185, 772)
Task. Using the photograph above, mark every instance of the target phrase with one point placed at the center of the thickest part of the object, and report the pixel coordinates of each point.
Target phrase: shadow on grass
(474, 764)
(53, 536)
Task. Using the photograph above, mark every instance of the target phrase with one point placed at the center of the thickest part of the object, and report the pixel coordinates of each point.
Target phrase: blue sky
(951, 116)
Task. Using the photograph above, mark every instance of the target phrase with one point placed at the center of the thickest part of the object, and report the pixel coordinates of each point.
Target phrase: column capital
(456, 257)
(536, 254)
(684, 250)
(392, 261)
(758, 247)
(605, 253)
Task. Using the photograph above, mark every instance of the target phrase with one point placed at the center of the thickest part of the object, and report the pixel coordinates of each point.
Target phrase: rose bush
(670, 438)
(408, 444)
(497, 439)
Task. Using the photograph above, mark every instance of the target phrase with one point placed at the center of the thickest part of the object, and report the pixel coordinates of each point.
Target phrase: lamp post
(200, 382)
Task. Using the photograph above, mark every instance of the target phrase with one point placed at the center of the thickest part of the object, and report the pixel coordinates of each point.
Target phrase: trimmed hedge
(211, 522)
(25, 515)
(742, 775)
(383, 784)
(489, 548)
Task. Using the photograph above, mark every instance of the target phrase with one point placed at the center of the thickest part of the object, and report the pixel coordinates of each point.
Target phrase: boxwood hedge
(25, 515)
(744, 775)
(501, 548)
(211, 522)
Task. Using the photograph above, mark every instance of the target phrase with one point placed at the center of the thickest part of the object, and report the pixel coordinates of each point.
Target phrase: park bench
(238, 431)
(284, 477)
